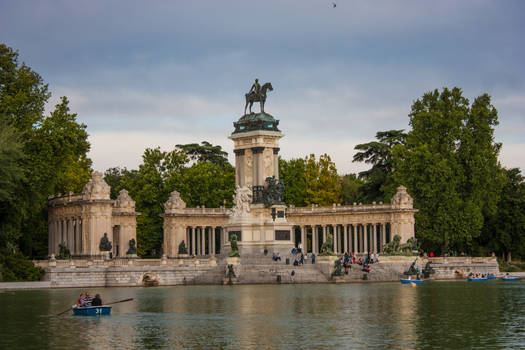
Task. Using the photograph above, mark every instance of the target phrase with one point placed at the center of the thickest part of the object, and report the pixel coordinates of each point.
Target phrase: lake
(435, 315)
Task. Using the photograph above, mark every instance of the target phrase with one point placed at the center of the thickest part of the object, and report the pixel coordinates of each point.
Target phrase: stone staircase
(262, 269)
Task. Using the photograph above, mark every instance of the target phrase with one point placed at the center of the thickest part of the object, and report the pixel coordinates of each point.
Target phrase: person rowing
(86, 301)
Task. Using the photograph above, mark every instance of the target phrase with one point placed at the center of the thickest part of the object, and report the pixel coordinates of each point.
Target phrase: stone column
(373, 239)
(239, 167)
(193, 245)
(365, 238)
(314, 240)
(336, 238)
(346, 240)
(383, 235)
(203, 240)
(276, 163)
(212, 245)
(324, 233)
(258, 166)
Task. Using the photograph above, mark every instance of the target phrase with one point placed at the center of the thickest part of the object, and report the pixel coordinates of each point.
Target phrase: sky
(159, 73)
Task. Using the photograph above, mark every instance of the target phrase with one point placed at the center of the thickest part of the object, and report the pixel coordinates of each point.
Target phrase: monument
(258, 217)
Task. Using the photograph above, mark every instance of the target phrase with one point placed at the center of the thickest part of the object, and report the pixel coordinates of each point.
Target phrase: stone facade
(355, 228)
(81, 220)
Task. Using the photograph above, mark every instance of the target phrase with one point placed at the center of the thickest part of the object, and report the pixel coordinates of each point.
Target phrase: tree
(116, 178)
(208, 184)
(448, 139)
(11, 176)
(323, 186)
(205, 152)
(54, 149)
(23, 94)
(503, 232)
(377, 184)
(351, 187)
(291, 173)
(150, 190)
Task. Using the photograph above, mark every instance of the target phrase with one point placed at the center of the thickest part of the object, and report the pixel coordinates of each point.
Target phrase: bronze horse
(252, 97)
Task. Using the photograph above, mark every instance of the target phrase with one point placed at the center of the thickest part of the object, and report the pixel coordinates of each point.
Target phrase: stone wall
(252, 269)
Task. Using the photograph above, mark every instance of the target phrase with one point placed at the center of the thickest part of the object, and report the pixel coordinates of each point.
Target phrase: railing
(337, 208)
(67, 198)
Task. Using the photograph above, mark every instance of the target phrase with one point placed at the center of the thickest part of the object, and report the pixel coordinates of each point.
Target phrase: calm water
(438, 315)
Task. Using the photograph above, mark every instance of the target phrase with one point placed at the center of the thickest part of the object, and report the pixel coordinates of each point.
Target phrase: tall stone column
(366, 238)
(276, 162)
(347, 238)
(212, 245)
(383, 236)
(372, 238)
(324, 233)
(239, 166)
(336, 239)
(203, 240)
(258, 166)
(314, 240)
(193, 245)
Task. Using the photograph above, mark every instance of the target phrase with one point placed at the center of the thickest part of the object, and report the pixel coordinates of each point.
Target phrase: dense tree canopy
(377, 181)
(449, 165)
(208, 182)
(39, 156)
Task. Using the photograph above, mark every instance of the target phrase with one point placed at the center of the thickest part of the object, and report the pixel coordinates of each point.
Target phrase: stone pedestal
(259, 230)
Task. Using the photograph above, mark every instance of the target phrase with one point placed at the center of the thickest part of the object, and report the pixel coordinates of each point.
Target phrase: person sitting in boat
(79, 300)
(86, 301)
(96, 300)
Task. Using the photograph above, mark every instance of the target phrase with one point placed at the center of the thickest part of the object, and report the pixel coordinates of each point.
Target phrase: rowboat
(405, 281)
(510, 279)
(91, 310)
(470, 279)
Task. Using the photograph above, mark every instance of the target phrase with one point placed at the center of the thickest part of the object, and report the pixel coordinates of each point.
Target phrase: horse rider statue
(257, 93)
(256, 88)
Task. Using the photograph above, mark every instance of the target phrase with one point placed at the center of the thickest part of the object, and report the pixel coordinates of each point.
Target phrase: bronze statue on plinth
(257, 93)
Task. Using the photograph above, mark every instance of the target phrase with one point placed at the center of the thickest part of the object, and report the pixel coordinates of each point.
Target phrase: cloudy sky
(159, 73)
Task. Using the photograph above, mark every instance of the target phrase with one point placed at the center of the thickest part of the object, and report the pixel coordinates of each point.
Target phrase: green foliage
(351, 189)
(202, 183)
(327, 247)
(503, 232)
(50, 160)
(208, 184)
(323, 185)
(291, 173)
(16, 267)
(234, 253)
(449, 165)
(378, 183)
(205, 152)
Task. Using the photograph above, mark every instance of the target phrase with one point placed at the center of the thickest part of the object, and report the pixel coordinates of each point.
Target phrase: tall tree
(377, 184)
(207, 184)
(447, 139)
(291, 173)
(351, 188)
(323, 185)
(205, 152)
(504, 230)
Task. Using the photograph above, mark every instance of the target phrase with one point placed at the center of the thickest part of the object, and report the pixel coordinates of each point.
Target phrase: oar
(113, 302)
(120, 301)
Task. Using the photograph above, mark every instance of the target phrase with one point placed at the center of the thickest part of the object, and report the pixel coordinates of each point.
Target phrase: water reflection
(450, 315)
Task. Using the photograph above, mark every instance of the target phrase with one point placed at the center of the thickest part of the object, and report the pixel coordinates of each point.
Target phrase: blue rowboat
(403, 281)
(510, 279)
(92, 310)
(477, 279)
(491, 277)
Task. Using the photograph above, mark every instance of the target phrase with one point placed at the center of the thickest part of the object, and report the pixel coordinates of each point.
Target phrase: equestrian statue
(257, 94)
